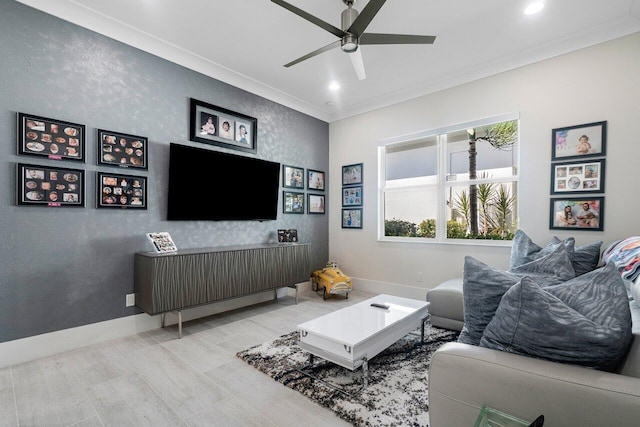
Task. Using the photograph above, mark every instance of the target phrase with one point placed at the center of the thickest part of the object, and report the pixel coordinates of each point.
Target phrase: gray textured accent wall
(66, 267)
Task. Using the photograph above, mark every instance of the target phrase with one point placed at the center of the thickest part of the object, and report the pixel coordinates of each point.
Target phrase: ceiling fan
(352, 34)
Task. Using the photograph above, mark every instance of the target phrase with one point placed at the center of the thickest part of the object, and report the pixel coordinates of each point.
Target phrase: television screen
(212, 185)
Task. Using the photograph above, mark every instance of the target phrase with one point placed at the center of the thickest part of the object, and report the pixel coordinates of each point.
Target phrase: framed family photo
(315, 180)
(50, 138)
(577, 214)
(292, 202)
(578, 177)
(292, 177)
(315, 203)
(219, 126)
(352, 174)
(580, 141)
(352, 218)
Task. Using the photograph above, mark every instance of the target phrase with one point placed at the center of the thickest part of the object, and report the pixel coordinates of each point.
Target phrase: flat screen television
(216, 186)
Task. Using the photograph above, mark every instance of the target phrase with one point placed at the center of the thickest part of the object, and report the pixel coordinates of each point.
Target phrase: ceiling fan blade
(314, 53)
(358, 65)
(317, 21)
(374, 38)
(365, 17)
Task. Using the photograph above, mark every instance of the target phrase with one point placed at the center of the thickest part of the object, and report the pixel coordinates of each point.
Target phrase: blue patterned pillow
(524, 250)
(584, 321)
(483, 287)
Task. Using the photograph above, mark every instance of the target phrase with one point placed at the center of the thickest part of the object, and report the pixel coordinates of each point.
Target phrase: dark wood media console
(193, 277)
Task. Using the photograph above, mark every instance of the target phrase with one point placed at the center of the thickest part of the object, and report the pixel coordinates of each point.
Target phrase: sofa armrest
(463, 377)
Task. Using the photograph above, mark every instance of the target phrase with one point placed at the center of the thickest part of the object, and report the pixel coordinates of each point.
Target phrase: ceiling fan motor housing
(349, 41)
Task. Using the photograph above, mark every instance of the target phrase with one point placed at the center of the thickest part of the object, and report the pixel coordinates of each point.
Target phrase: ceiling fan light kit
(352, 33)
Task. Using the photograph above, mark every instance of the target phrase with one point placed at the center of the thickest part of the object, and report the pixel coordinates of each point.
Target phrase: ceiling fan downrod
(349, 41)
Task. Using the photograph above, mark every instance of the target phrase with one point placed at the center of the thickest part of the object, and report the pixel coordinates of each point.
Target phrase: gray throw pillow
(585, 321)
(524, 250)
(585, 258)
(483, 287)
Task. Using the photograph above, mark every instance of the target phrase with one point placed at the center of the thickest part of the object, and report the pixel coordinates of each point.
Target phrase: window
(453, 183)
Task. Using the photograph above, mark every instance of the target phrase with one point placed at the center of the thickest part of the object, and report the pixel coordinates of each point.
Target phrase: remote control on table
(377, 305)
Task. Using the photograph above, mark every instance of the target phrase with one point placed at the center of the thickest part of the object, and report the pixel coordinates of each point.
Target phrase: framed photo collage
(52, 186)
(578, 177)
(293, 197)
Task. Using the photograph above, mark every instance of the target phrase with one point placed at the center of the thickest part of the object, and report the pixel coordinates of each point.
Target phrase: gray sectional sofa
(464, 377)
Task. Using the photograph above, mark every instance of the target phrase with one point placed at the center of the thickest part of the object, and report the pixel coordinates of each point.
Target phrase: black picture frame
(288, 236)
(352, 174)
(122, 150)
(560, 219)
(316, 204)
(352, 196)
(352, 218)
(292, 202)
(49, 186)
(117, 191)
(51, 138)
(578, 177)
(315, 180)
(199, 131)
(567, 142)
(292, 177)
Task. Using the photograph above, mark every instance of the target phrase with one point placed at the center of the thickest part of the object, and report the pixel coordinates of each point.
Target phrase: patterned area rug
(397, 394)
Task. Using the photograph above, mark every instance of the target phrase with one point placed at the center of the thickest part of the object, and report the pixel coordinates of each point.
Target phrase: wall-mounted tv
(213, 185)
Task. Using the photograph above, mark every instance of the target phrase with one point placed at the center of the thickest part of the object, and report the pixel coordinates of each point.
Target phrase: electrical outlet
(131, 300)
(420, 276)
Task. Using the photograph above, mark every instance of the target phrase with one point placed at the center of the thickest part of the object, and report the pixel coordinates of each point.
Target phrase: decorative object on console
(162, 242)
(288, 236)
(225, 128)
(122, 150)
(398, 374)
(49, 186)
(315, 203)
(578, 177)
(580, 141)
(292, 202)
(292, 177)
(121, 191)
(577, 214)
(51, 138)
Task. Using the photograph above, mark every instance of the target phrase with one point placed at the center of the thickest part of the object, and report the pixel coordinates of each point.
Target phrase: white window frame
(442, 184)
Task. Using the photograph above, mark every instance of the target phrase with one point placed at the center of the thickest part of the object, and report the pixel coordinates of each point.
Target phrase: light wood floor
(155, 379)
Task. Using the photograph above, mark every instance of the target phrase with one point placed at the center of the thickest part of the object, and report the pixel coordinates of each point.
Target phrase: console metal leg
(179, 324)
(162, 320)
(275, 294)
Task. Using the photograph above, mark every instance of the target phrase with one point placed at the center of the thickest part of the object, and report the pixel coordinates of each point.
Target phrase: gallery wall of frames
(578, 171)
(55, 187)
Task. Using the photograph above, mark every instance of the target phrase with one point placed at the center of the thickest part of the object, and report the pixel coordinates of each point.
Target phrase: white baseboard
(396, 289)
(38, 346)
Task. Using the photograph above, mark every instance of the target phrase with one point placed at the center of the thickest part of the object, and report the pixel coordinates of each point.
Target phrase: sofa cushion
(483, 287)
(584, 321)
(524, 250)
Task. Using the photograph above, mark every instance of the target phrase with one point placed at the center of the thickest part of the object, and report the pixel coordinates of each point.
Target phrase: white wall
(594, 84)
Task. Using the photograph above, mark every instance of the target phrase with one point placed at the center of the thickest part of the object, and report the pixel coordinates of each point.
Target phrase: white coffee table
(352, 336)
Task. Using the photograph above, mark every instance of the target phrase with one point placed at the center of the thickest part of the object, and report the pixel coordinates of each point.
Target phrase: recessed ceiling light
(533, 7)
(334, 86)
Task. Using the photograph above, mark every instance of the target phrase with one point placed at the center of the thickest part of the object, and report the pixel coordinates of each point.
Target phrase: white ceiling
(246, 42)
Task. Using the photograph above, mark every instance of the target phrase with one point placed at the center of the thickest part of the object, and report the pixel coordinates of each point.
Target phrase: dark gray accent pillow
(585, 321)
(483, 287)
(585, 258)
(524, 250)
